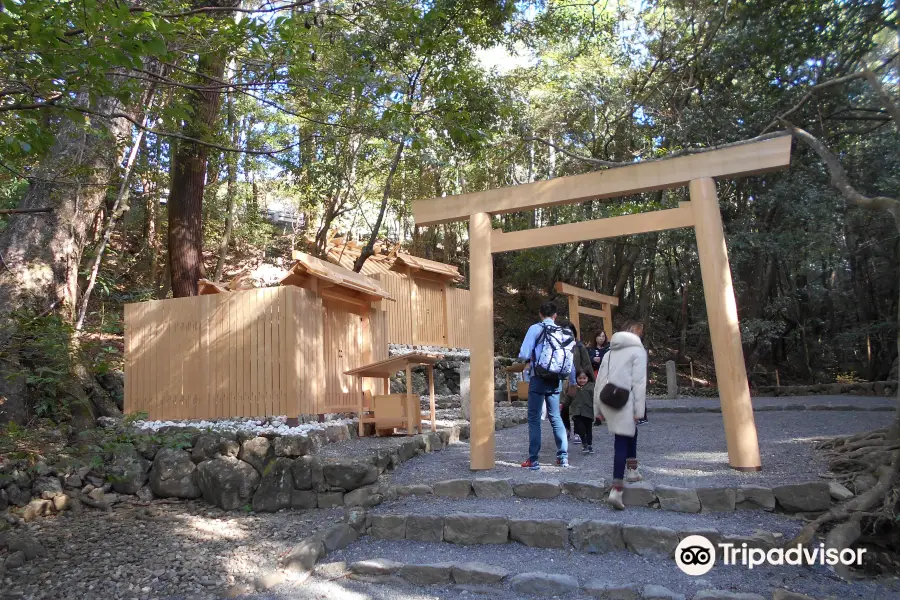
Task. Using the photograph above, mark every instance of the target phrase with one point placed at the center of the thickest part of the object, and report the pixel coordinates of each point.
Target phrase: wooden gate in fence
(425, 312)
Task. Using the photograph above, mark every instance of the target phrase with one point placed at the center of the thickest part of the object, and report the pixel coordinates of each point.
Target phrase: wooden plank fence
(261, 352)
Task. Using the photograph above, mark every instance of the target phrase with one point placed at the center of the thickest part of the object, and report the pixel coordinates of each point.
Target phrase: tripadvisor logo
(696, 555)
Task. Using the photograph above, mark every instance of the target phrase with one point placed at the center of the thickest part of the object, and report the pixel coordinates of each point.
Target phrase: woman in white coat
(624, 366)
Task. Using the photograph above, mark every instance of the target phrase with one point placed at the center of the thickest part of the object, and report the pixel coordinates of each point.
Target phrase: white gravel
(276, 425)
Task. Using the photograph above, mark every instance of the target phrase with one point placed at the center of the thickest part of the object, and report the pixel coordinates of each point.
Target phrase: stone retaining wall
(231, 470)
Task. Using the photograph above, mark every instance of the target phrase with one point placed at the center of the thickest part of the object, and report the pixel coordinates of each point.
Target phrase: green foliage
(43, 344)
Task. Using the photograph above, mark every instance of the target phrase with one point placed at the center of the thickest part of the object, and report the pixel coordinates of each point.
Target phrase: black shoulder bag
(612, 395)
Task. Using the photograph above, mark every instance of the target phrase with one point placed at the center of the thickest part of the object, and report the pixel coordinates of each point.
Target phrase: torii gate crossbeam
(702, 212)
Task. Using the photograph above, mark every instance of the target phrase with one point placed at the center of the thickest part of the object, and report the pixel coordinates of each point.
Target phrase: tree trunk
(369, 248)
(41, 252)
(186, 195)
(647, 281)
(230, 192)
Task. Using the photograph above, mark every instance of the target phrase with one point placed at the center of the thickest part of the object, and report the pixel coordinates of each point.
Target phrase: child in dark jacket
(581, 407)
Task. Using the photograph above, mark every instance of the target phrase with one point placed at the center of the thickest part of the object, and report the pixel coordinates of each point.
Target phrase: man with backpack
(549, 350)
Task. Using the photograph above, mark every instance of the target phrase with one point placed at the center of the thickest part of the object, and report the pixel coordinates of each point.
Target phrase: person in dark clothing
(581, 407)
(597, 350)
(581, 363)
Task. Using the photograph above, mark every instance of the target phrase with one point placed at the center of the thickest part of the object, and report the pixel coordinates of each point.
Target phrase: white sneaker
(615, 499)
(633, 475)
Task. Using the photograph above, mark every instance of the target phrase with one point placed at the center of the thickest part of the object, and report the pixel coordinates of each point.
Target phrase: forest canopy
(156, 143)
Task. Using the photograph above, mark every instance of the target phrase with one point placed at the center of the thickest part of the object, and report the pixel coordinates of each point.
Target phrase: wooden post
(692, 374)
(777, 379)
(607, 320)
(734, 392)
(409, 409)
(573, 313)
(481, 283)
(431, 395)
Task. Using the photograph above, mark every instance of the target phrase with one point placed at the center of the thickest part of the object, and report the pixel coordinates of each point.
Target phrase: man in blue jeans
(541, 391)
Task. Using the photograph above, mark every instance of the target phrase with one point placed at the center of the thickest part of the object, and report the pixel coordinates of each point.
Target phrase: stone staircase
(429, 546)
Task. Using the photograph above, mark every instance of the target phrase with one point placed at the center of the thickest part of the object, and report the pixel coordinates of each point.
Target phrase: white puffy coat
(625, 366)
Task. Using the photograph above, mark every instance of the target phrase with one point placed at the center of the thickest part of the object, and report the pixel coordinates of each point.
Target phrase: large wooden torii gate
(702, 212)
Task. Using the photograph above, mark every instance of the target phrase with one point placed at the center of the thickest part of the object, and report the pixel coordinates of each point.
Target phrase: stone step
(809, 497)
(584, 535)
(554, 572)
(568, 509)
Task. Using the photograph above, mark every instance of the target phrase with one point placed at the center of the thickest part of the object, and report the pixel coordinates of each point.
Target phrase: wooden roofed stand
(702, 212)
(387, 411)
(429, 309)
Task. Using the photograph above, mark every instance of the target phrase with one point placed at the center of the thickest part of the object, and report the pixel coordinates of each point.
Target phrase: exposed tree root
(880, 496)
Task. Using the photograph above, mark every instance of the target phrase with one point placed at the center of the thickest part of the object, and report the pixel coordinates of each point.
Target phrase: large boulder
(257, 452)
(276, 487)
(18, 496)
(308, 474)
(227, 482)
(349, 475)
(205, 448)
(46, 487)
(127, 471)
(292, 446)
(174, 475)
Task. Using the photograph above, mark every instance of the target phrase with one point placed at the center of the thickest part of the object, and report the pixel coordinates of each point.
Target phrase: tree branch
(590, 160)
(136, 123)
(839, 178)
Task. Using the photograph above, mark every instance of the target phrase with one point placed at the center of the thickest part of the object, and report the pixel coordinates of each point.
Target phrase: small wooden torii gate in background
(576, 310)
(702, 212)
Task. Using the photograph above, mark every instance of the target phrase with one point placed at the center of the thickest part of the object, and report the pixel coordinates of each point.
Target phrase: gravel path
(618, 568)
(178, 550)
(742, 522)
(686, 450)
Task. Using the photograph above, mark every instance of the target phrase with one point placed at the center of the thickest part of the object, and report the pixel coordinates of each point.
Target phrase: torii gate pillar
(724, 329)
(481, 353)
